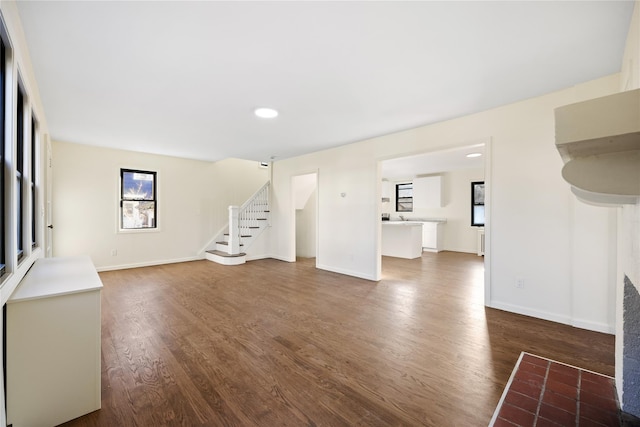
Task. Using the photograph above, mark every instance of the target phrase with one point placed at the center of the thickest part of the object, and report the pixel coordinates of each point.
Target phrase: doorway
(305, 202)
(452, 207)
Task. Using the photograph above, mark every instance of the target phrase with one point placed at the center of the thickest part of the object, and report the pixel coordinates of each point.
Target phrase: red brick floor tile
(587, 422)
(533, 368)
(546, 393)
(529, 377)
(501, 422)
(601, 388)
(564, 377)
(543, 422)
(556, 414)
(599, 415)
(598, 401)
(562, 388)
(516, 415)
(564, 369)
(535, 360)
(521, 401)
(560, 401)
(596, 378)
(526, 388)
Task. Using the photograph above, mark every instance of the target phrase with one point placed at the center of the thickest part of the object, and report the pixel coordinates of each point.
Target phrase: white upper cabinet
(386, 190)
(427, 192)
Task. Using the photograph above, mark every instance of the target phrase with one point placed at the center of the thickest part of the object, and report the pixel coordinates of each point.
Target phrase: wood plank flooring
(270, 343)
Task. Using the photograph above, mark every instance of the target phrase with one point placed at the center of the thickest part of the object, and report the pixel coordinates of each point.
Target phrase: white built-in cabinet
(432, 236)
(427, 192)
(386, 190)
(53, 343)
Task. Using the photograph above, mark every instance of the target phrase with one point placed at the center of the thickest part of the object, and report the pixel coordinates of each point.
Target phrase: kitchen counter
(417, 220)
(402, 239)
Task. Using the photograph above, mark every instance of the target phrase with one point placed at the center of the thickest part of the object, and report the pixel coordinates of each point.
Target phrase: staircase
(246, 222)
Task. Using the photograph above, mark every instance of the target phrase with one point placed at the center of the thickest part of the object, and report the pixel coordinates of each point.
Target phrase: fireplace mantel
(599, 142)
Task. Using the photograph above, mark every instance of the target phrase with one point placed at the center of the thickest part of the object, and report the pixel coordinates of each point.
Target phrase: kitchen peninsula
(402, 239)
(407, 239)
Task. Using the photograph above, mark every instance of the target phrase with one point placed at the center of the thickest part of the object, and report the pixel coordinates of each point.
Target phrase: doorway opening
(434, 189)
(305, 202)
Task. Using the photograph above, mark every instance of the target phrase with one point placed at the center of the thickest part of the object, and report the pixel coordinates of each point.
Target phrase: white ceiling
(182, 78)
(433, 162)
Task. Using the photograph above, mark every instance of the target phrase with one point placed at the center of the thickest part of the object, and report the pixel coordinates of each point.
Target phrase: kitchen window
(138, 202)
(404, 197)
(477, 204)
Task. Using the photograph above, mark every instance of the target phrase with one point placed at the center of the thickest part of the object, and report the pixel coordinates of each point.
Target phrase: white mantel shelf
(599, 142)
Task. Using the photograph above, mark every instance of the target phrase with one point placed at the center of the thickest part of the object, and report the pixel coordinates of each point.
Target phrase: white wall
(193, 200)
(531, 214)
(459, 235)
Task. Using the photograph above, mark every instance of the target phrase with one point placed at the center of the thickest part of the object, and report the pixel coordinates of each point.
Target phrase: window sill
(138, 230)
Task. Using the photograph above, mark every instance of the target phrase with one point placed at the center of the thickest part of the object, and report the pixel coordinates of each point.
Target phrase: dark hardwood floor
(271, 343)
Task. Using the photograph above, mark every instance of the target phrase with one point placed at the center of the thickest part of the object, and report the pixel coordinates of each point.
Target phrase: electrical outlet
(519, 282)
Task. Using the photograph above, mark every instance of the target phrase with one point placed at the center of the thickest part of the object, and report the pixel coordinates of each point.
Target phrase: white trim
(347, 272)
(149, 263)
(292, 204)
(488, 185)
(257, 257)
(505, 391)
(157, 190)
(279, 258)
(526, 311)
(594, 326)
(223, 260)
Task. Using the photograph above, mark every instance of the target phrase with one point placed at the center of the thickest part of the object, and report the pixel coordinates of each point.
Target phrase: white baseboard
(594, 326)
(518, 309)
(257, 257)
(554, 317)
(348, 272)
(148, 263)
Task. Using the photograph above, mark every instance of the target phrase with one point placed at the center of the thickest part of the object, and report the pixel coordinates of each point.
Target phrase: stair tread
(226, 243)
(224, 254)
(242, 235)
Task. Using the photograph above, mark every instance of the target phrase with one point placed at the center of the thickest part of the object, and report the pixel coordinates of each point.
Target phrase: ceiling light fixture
(265, 113)
(472, 155)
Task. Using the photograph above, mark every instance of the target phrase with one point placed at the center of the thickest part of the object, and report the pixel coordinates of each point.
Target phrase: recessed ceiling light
(471, 155)
(266, 113)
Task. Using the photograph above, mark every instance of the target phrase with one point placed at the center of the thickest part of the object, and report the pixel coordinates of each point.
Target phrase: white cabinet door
(386, 189)
(430, 235)
(427, 192)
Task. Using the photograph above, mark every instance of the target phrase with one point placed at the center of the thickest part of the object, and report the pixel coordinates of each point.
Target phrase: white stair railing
(248, 220)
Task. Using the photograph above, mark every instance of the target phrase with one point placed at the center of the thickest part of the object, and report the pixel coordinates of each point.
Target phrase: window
(32, 180)
(20, 172)
(404, 197)
(138, 203)
(2, 154)
(477, 204)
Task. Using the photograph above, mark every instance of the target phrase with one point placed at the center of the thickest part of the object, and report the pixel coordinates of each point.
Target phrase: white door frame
(488, 175)
(315, 172)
